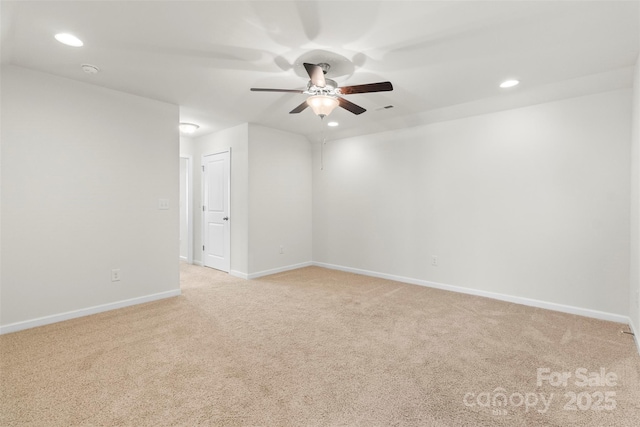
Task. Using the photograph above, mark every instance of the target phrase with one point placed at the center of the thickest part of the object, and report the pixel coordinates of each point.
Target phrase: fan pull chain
(322, 143)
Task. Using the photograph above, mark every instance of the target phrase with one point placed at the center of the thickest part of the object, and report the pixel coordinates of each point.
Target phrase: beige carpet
(314, 347)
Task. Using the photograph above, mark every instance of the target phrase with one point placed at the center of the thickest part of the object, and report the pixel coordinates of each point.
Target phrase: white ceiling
(445, 59)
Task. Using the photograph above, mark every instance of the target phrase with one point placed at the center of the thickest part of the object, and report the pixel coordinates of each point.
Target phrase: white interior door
(216, 227)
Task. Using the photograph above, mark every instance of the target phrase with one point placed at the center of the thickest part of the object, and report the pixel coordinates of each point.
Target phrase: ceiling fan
(325, 93)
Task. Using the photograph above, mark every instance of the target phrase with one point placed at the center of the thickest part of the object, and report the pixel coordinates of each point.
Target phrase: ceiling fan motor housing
(325, 67)
(330, 88)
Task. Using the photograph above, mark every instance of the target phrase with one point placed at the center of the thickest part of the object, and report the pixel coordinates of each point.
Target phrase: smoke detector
(90, 69)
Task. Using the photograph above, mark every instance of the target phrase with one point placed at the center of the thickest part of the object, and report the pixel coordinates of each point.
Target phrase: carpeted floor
(315, 347)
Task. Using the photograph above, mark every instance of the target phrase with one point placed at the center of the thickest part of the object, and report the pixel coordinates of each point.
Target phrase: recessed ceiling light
(332, 124)
(509, 83)
(69, 39)
(188, 128)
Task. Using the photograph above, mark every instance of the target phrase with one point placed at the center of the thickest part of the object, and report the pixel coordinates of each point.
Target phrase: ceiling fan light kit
(324, 94)
(322, 105)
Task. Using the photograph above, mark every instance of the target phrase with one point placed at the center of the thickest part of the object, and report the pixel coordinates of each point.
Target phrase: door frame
(189, 207)
(202, 199)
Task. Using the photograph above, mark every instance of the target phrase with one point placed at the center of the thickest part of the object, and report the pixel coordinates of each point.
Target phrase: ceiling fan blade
(299, 108)
(371, 87)
(350, 106)
(259, 89)
(315, 74)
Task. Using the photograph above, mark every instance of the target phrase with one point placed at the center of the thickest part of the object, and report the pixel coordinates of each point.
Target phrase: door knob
(226, 218)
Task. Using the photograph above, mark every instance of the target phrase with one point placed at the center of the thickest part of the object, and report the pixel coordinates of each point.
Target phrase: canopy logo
(593, 398)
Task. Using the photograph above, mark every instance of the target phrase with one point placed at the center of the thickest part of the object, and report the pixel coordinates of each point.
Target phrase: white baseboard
(634, 330)
(502, 297)
(183, 258)
(198, 262)
(46, 320)
(250, 276)
(239, 274)
(279, 270)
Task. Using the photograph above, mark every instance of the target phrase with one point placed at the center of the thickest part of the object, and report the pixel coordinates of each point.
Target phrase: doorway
(186, 215)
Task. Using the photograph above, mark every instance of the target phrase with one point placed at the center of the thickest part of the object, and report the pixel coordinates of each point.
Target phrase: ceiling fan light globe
(322, 105)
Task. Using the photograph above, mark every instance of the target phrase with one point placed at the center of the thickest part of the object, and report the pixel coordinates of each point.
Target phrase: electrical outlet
(115, 275)
(163, 204)
(434, 260)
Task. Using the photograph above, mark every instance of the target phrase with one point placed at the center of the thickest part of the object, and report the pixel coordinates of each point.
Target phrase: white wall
(531, 202)
(82, 171)
(270, 197)
(186, 146)
(235, 139)
(186, 198)
(279, 200)
(634, 289)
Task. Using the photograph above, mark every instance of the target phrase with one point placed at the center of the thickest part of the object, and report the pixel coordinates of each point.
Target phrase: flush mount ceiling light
(188, 128)
(322, 105)
(69, 39)
(332, 124)
(509, 83)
